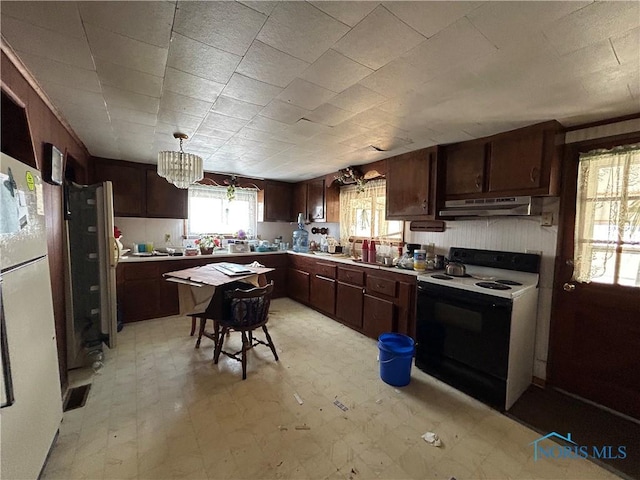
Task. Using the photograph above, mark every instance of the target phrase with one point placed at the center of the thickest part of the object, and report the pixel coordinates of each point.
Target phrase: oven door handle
(458, 297)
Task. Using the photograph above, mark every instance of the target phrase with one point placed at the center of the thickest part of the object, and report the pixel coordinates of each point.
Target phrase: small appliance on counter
(238, 246)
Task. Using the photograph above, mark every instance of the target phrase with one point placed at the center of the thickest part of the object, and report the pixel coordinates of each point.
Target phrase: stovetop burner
(508, 282)
(441, 276)
(493, 285)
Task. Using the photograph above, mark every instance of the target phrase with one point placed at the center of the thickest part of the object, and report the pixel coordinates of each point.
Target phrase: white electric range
(477, 332)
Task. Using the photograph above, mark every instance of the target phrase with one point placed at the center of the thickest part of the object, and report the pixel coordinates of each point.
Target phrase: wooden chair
(247, 310)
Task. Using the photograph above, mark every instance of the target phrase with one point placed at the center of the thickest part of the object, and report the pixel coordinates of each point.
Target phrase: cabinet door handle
(424, 205)
(478, 181)
(533, 176)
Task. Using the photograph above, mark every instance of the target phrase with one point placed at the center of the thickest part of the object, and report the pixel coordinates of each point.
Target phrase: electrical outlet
(167, 237)
(546, 220)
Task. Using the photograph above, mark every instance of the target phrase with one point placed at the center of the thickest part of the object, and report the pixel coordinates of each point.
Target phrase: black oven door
(463, 339)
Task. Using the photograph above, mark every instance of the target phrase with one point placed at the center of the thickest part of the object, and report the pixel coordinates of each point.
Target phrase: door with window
(594, 348)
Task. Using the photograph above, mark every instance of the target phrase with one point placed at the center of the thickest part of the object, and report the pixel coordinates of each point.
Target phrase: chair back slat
(249, 308)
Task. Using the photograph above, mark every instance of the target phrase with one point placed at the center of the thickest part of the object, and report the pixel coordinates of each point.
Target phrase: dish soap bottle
(300, 237)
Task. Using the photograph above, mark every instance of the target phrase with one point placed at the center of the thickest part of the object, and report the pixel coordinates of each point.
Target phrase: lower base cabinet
(143, 293)
(371, 301)
(323, 294)
(298, 282)
(378, 316)
(349, 304)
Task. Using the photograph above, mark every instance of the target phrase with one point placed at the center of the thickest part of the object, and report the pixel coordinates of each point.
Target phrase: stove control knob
(568, 287)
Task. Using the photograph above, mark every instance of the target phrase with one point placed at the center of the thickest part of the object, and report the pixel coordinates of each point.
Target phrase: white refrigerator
(31, 400)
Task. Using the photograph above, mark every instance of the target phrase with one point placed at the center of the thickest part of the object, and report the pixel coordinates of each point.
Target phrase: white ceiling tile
(184, 83)
(593, 58)
(118, 114)
(49, 15)
(184, 104)
(39, 41)
(347, 12)
(429, 18)
(201, 60)
(116, 97)
(504, 23)
(348, 129)
(94, 118)
(63, 95)
(212, 131)
(305, 94)
(128, 79)
(50, 71)
(329, 115)
(283, 112)
(223, 122)
(265, 124)
(335, 72)
(148, 22)
(250, 90)
(357, 99)
(307, 128)
(627, 47)
(228, 26)
(299, 29)
(458, 43)
(121, 50)
(170, 122)
(266, 64)
(395, 78)
(261, 6)
(591, 24)
(371, 118)
(126, 128)
(378, 39)
(236, 108)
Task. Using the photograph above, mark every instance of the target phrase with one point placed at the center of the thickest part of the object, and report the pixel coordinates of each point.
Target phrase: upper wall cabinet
(412, 185)
(520, 162)
(138, 191)
(276, 198)
(317, 202)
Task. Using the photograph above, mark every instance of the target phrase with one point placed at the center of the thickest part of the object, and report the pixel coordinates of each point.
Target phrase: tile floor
(161, 409)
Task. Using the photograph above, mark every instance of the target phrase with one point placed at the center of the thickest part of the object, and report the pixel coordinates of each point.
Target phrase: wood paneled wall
(46, 128)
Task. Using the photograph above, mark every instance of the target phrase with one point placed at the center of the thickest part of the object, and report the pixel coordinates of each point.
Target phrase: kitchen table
(201, 290)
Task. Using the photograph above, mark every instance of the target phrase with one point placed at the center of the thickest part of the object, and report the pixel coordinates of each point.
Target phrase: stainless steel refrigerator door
(28, 427)
(23, 234)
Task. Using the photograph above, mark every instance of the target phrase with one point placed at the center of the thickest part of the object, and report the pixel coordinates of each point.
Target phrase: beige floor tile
(161, 409)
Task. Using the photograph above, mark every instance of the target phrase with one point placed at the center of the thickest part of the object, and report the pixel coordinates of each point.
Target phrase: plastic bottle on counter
(419, 260)
(372, 251)
(365, 251)
(300, 237)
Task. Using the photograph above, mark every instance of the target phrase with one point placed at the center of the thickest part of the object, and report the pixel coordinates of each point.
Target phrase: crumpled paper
(256, 264)
(432, 439)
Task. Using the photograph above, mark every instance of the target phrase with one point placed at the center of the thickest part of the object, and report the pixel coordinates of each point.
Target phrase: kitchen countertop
(164, 258)
(338, 258)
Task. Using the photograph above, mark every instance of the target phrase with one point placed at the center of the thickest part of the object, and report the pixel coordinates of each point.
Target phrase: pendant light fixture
(181, 169)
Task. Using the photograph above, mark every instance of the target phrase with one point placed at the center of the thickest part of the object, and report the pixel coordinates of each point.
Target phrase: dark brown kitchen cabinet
(138, 191)
(378, 316)
(277, 201)
(298, 282)
(316, 201)
(519, 162)
(165, 200)
(412, 186)
(129, 185)
(323, 294)
(299, 202)
(525, 162)
(143, 293)
(465, 168)
(349, 304)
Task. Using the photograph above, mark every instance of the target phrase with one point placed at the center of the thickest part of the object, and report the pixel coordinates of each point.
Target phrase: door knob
(568, 287)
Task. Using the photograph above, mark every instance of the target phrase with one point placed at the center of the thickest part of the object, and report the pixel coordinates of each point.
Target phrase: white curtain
(607, 229)
(211, 211)
(362, 213)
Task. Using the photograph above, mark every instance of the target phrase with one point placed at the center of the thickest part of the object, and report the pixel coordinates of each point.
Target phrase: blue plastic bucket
(396, 355)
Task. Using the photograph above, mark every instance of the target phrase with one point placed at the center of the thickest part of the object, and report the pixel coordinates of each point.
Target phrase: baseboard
(539, 382)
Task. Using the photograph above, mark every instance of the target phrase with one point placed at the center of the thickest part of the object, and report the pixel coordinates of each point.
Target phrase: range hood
(488, 207)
